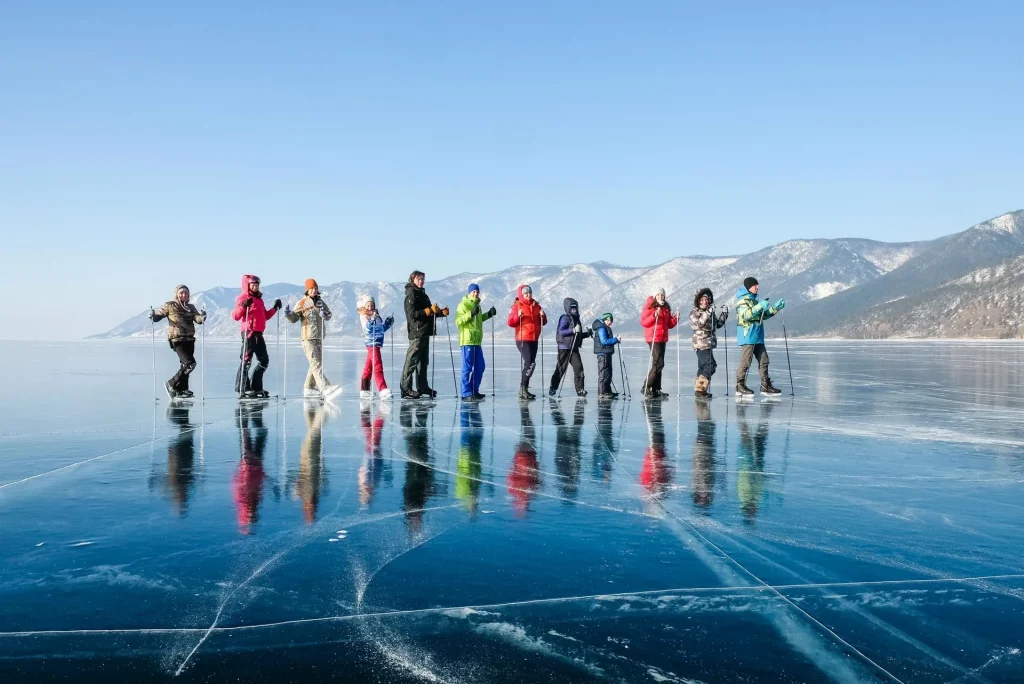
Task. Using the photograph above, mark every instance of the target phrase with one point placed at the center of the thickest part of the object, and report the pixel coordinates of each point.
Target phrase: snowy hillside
(832, 287)
(865, 311)
(987, 303)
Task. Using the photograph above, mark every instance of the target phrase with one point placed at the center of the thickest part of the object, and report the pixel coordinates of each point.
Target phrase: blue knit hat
(473, 286)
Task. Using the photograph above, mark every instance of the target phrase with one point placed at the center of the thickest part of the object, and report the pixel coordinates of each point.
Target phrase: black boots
(742, 390)
(768, 388)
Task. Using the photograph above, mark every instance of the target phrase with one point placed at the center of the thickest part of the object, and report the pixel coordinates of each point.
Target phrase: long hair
(416, 274)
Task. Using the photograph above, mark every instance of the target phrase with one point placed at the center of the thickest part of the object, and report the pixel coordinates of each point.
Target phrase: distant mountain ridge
(846, 287)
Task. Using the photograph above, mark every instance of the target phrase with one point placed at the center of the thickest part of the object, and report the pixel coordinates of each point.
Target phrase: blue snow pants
(472, 369)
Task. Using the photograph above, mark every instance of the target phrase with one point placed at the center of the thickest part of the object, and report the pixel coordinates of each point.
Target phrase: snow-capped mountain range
(833, 287)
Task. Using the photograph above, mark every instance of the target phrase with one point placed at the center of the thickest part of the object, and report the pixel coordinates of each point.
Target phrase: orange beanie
(310, 284)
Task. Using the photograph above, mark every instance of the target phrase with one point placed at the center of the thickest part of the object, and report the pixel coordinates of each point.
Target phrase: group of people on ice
(526, 317)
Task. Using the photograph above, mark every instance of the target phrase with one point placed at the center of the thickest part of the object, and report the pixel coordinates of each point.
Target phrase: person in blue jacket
(750, 317)
(604, 347)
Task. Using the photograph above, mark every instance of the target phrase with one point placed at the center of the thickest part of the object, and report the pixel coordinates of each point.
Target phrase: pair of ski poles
(202, 353)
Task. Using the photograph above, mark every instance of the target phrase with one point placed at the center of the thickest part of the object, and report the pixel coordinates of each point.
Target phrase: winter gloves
(780, 305)
(247, 303)
(475, 311)
(435, 310)
(578, 329)
(492, 312)
(389, 321)
(277, 304)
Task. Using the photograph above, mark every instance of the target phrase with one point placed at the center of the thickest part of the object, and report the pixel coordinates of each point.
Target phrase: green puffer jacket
(181, 320)
(471, 328)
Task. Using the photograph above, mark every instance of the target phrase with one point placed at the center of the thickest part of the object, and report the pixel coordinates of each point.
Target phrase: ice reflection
(179, 480)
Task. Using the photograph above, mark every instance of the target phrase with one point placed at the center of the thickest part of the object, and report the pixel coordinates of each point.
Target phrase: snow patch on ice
(562, 636)
(466, 612)
(662, 676)
(517, 636)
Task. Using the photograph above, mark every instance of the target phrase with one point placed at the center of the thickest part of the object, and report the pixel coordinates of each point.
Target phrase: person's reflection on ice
(656, 471)
(524, 477)
(469, 470)
(567, 446)
(311, 482)
(419, 476)
(605, 447)
(372, 467)
(247, 483)
(179, 480)
(750, 478)
(703, 475)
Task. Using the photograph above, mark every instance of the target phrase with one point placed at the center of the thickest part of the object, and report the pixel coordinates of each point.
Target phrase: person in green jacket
(470, 321)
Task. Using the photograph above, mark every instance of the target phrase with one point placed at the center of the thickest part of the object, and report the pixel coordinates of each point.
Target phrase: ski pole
(202, 371)
(568, 362)
(376, 355)
(788, 364)
(152, 325)
(451, 355)
(284, 364)
(433, 348)
(679, 369)
(277, 342)
(725, 332)
(393, 355)
(625, 376)
(243, 371)
(541, 335)
(650, 361)
(323, 354)
(492, 357)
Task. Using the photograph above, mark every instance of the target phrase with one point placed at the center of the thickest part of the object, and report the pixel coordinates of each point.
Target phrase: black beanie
(749, 282)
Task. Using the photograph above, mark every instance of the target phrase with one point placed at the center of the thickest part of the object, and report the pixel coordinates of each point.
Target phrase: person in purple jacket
(569, 336)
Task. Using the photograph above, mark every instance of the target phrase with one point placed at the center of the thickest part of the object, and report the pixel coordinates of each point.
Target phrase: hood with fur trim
(700, 293)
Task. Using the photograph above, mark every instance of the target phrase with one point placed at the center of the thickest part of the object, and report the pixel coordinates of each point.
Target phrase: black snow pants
(604, 374)
(256, 346)
(566, 357)
(417, 359)
(186, 351)
(528, 350)
(653, 383)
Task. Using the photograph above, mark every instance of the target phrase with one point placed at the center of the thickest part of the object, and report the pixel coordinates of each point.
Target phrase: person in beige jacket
(313, 313)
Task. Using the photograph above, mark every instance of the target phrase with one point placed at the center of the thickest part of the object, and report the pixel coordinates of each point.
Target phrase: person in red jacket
(253, 315)
(657, 320)
(528, 318)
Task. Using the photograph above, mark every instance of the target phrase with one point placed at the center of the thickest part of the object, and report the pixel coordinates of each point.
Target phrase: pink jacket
(259, 314)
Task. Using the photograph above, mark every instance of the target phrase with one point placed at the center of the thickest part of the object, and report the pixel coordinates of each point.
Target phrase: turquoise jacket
(750, 314)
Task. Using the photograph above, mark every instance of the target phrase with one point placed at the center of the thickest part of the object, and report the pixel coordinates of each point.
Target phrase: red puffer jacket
(662, 315)
(259, 314)
(527, 318)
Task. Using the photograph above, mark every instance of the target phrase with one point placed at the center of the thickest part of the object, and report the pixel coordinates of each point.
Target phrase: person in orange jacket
(528, 318)
(656, 319)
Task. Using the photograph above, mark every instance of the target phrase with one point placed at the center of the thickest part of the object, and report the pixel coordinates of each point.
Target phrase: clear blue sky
(143, 146)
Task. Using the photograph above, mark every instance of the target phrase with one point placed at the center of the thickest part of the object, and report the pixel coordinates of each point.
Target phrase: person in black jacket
(421, 318)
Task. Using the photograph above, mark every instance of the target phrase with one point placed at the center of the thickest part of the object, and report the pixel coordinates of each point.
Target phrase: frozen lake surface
(869, 529)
